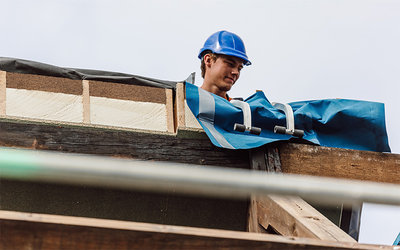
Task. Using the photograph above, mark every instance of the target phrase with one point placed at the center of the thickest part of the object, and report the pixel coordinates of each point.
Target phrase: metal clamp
(246, 126)
(289, 129)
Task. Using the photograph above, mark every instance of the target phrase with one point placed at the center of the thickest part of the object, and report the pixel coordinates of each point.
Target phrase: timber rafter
(21, 231)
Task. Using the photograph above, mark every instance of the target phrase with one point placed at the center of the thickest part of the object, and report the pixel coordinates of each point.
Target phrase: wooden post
(86, 101)
(3, 92)
(286, 215)
(180, 106)
(169, 106)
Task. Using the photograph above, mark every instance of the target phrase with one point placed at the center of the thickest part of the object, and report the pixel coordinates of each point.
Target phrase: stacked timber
(147, 123)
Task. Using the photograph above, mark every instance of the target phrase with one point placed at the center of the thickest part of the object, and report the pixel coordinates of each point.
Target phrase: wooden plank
(335, 213)
(289, 216)
(40, 231)
(273, 159)
(292, 216)
(340, 163)
(3, 92)
(186, 146)
(252, 220)
(180, 105)
(169, 106)
(86, 101)
(257, 162)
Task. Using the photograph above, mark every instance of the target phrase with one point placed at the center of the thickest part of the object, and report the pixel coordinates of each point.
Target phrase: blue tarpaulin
(340, 123)
(397, 241)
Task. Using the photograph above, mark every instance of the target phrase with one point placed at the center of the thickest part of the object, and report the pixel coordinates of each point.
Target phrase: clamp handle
(289, 129)
(246, 126)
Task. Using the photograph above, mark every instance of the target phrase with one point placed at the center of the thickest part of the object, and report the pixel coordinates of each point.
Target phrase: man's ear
(207, 60)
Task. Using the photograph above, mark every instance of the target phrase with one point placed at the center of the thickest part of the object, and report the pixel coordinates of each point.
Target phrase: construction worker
(222, 58)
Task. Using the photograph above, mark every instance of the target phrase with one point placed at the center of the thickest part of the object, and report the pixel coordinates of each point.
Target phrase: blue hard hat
(225, 43)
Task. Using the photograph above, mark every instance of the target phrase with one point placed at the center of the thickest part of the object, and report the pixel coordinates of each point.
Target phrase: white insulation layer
(129, 114)
(44, 105)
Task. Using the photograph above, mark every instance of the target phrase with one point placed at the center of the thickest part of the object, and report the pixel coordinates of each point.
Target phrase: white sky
(300, 50)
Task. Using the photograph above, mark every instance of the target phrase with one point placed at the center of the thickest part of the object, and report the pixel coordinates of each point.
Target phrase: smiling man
(222, 58)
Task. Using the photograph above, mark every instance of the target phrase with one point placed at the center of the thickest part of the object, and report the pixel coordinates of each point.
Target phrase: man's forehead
(233, 59)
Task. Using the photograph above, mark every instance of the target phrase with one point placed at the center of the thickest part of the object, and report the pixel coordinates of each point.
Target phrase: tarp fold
(340, 123)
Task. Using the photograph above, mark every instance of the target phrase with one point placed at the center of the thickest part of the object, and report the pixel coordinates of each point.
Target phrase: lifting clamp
(289, 129)
(246, 126)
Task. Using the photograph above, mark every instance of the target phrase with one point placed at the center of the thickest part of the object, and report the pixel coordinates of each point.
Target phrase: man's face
(224, 71)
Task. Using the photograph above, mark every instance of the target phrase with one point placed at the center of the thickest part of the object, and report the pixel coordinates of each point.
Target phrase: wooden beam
(169, 106)
(3, 83)
(86, 101)
(195, 147)
(40, 231)
(252, 220)
(257, 162)
(292, 216)
(288, 216)
(340, 163)
(180, 105)
(185, 146)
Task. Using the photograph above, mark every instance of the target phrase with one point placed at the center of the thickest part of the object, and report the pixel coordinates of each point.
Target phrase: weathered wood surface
(179, 105)
(340, 163)
(2, 93)
(186, 146)
(259, 160)
(287, 215)
(169, 106)
(184, 117)
(39, 231)
(253, 225)
(195, 147)
(292, 216)
(86, 101)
